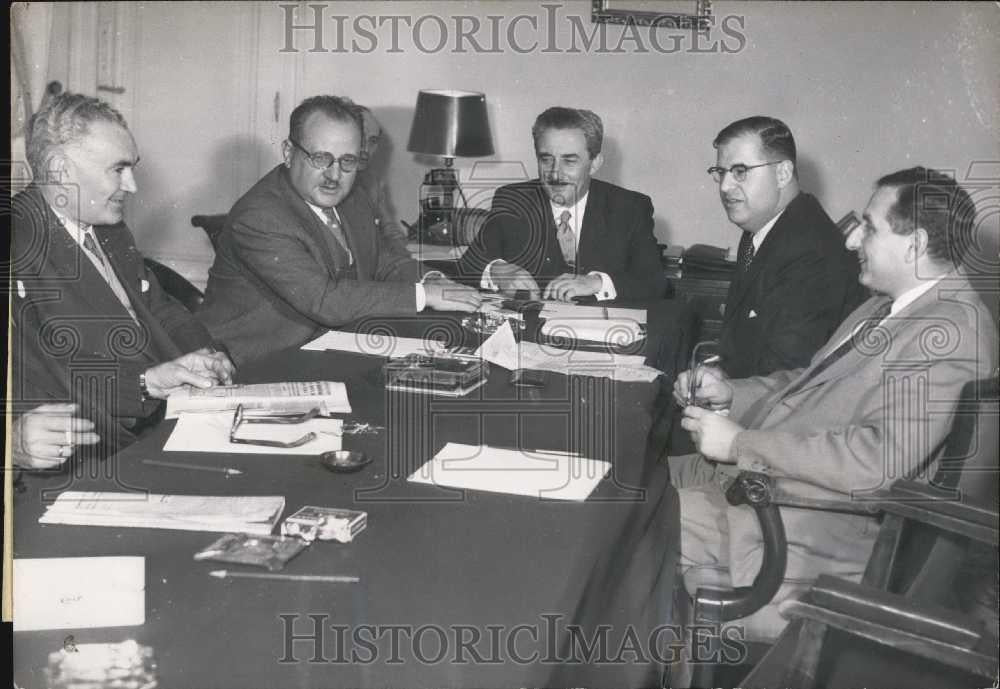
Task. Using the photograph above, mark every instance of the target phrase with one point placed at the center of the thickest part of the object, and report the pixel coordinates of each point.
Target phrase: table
(457, 589)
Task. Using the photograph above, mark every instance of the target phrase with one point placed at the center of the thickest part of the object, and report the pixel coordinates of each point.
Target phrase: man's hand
(567, 286)
(445, 295)
(511, 278)
(200, 369)
(713, 433)
(711, 388)
(46, 436)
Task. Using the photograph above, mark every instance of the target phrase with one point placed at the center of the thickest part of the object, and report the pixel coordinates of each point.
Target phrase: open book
(330, 397)
(242, 514)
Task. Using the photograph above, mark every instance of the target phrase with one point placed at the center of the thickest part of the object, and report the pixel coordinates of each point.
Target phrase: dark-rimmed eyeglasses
(240, 418)
(321, 160)
(738, 171)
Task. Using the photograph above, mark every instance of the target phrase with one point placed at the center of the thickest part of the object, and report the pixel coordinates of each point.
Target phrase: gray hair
(64, 119)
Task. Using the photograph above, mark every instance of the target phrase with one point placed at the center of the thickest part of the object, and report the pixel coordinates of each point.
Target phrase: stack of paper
(560, 309)
(373, 344)
(244, 514)
(546, 474)
(613, 331)
(210, 433)
(330, 397)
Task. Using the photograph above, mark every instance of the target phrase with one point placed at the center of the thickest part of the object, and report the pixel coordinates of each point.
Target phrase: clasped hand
(713, 432)
(201, 368)
(567, 286)
(47, 436)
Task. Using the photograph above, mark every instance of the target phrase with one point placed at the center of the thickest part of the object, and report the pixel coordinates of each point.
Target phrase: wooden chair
(212, 225)
(910, 578)
(174, 284)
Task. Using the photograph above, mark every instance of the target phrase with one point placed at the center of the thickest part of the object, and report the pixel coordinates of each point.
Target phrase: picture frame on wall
(677, 14)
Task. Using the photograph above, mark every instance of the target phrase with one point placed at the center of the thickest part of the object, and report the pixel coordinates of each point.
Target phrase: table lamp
(449, 124)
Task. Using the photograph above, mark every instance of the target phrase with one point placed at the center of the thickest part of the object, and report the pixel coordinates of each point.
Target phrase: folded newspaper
(330, 397)
(241, 514)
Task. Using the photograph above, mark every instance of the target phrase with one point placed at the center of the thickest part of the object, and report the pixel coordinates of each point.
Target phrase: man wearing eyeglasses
(795, 281)
(301, 254)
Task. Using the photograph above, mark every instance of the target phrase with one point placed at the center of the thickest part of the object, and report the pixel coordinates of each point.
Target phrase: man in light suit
(300, 253)
(97, 344)
(574, 235)
(795, 281)
(874, 405)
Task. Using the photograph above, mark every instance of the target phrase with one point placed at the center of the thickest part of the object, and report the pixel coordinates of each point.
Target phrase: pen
(225, 573)
(197, 467)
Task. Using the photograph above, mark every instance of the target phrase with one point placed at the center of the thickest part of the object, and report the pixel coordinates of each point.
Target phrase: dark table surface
(458, 589)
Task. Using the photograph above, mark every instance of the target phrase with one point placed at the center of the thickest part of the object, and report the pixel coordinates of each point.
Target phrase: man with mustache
(97, 344)
(300, 253)
(794, 281)
(565, 234)
(873, 406)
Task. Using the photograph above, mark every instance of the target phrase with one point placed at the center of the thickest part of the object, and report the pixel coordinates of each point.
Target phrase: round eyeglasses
(738, 171)
(321, 160)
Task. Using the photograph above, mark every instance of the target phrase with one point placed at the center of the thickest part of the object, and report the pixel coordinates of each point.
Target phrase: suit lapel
(334, 257)
(742, 285)
(352, 216)
(593, 227)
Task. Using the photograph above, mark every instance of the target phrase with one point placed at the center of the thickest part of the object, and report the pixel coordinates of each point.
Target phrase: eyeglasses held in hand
(693, 380)
(738, 171)
(240, 418)
(321, 160)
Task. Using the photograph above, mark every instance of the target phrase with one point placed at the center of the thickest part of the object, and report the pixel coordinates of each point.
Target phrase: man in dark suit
(574, 235)
(795, 281)
(300, 253)
(96, 342)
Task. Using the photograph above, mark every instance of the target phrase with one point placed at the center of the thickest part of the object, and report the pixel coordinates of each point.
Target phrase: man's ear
(919, 245)
(596, 163)
(286, 152)
(785, 171)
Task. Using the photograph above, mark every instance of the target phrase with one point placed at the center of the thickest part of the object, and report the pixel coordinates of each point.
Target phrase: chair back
(174, 284)
(212, 225)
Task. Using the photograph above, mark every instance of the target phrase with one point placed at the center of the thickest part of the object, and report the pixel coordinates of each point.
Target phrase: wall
(866, 88)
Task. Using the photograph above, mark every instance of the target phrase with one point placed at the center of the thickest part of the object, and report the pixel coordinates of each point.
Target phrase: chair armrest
(785, 499)
(941, 509)
(893, 610)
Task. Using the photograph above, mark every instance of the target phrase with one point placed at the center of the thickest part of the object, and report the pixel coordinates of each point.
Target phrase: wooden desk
(439, 568)
(707, 297)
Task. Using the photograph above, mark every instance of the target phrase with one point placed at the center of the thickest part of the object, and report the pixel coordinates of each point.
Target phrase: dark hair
(572, 118)
(64, 119)
(334, 107)
(932, 200)
(775, 137)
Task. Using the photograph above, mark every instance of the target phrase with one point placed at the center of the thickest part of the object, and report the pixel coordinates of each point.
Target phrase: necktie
(567, 240)
(338, 232)
(90, 244)
(744, 255)
(847, 345)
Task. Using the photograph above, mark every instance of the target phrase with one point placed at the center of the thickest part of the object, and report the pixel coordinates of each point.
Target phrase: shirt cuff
(608, 291)
(487, 282)
(421, 297)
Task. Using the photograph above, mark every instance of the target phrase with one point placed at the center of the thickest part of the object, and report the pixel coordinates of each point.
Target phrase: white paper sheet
(501, 349)
(613, 331)
(79, 592)
(330, 396)
(433, 252)
(561, 309)
(545, 474)
(374, 344)
(210, 433)
(249, 514)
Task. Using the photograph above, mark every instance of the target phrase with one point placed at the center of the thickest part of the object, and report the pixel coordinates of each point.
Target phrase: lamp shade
(451, 124)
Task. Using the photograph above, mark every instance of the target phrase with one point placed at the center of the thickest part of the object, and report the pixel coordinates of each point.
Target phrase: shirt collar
(76, 229)
(912, 294)
(758, 237)
(576, 210)
(321, 213)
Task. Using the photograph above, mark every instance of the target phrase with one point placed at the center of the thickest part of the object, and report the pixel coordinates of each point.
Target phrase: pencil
(329, 578)
(196, 467)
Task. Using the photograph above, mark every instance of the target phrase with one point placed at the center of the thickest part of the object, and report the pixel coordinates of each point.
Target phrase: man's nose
(728, 181)
(333, 172)
(128, 181)
(853, 241)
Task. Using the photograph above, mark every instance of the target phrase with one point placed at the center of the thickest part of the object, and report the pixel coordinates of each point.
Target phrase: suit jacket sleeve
(489, 243)
(891, 431)
(275, 254)
(643, 276)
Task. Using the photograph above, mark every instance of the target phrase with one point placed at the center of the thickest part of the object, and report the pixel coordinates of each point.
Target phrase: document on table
(617, 332)
(329, 396)
(79, 592)
(561, 309)
(210, 433)
(549, 474)
(373, 344)
(241, 514)
(432, 252)
(502, 349)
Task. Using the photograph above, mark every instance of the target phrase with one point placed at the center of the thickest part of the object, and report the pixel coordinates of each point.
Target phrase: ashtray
(488, 322)
(344, 461)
